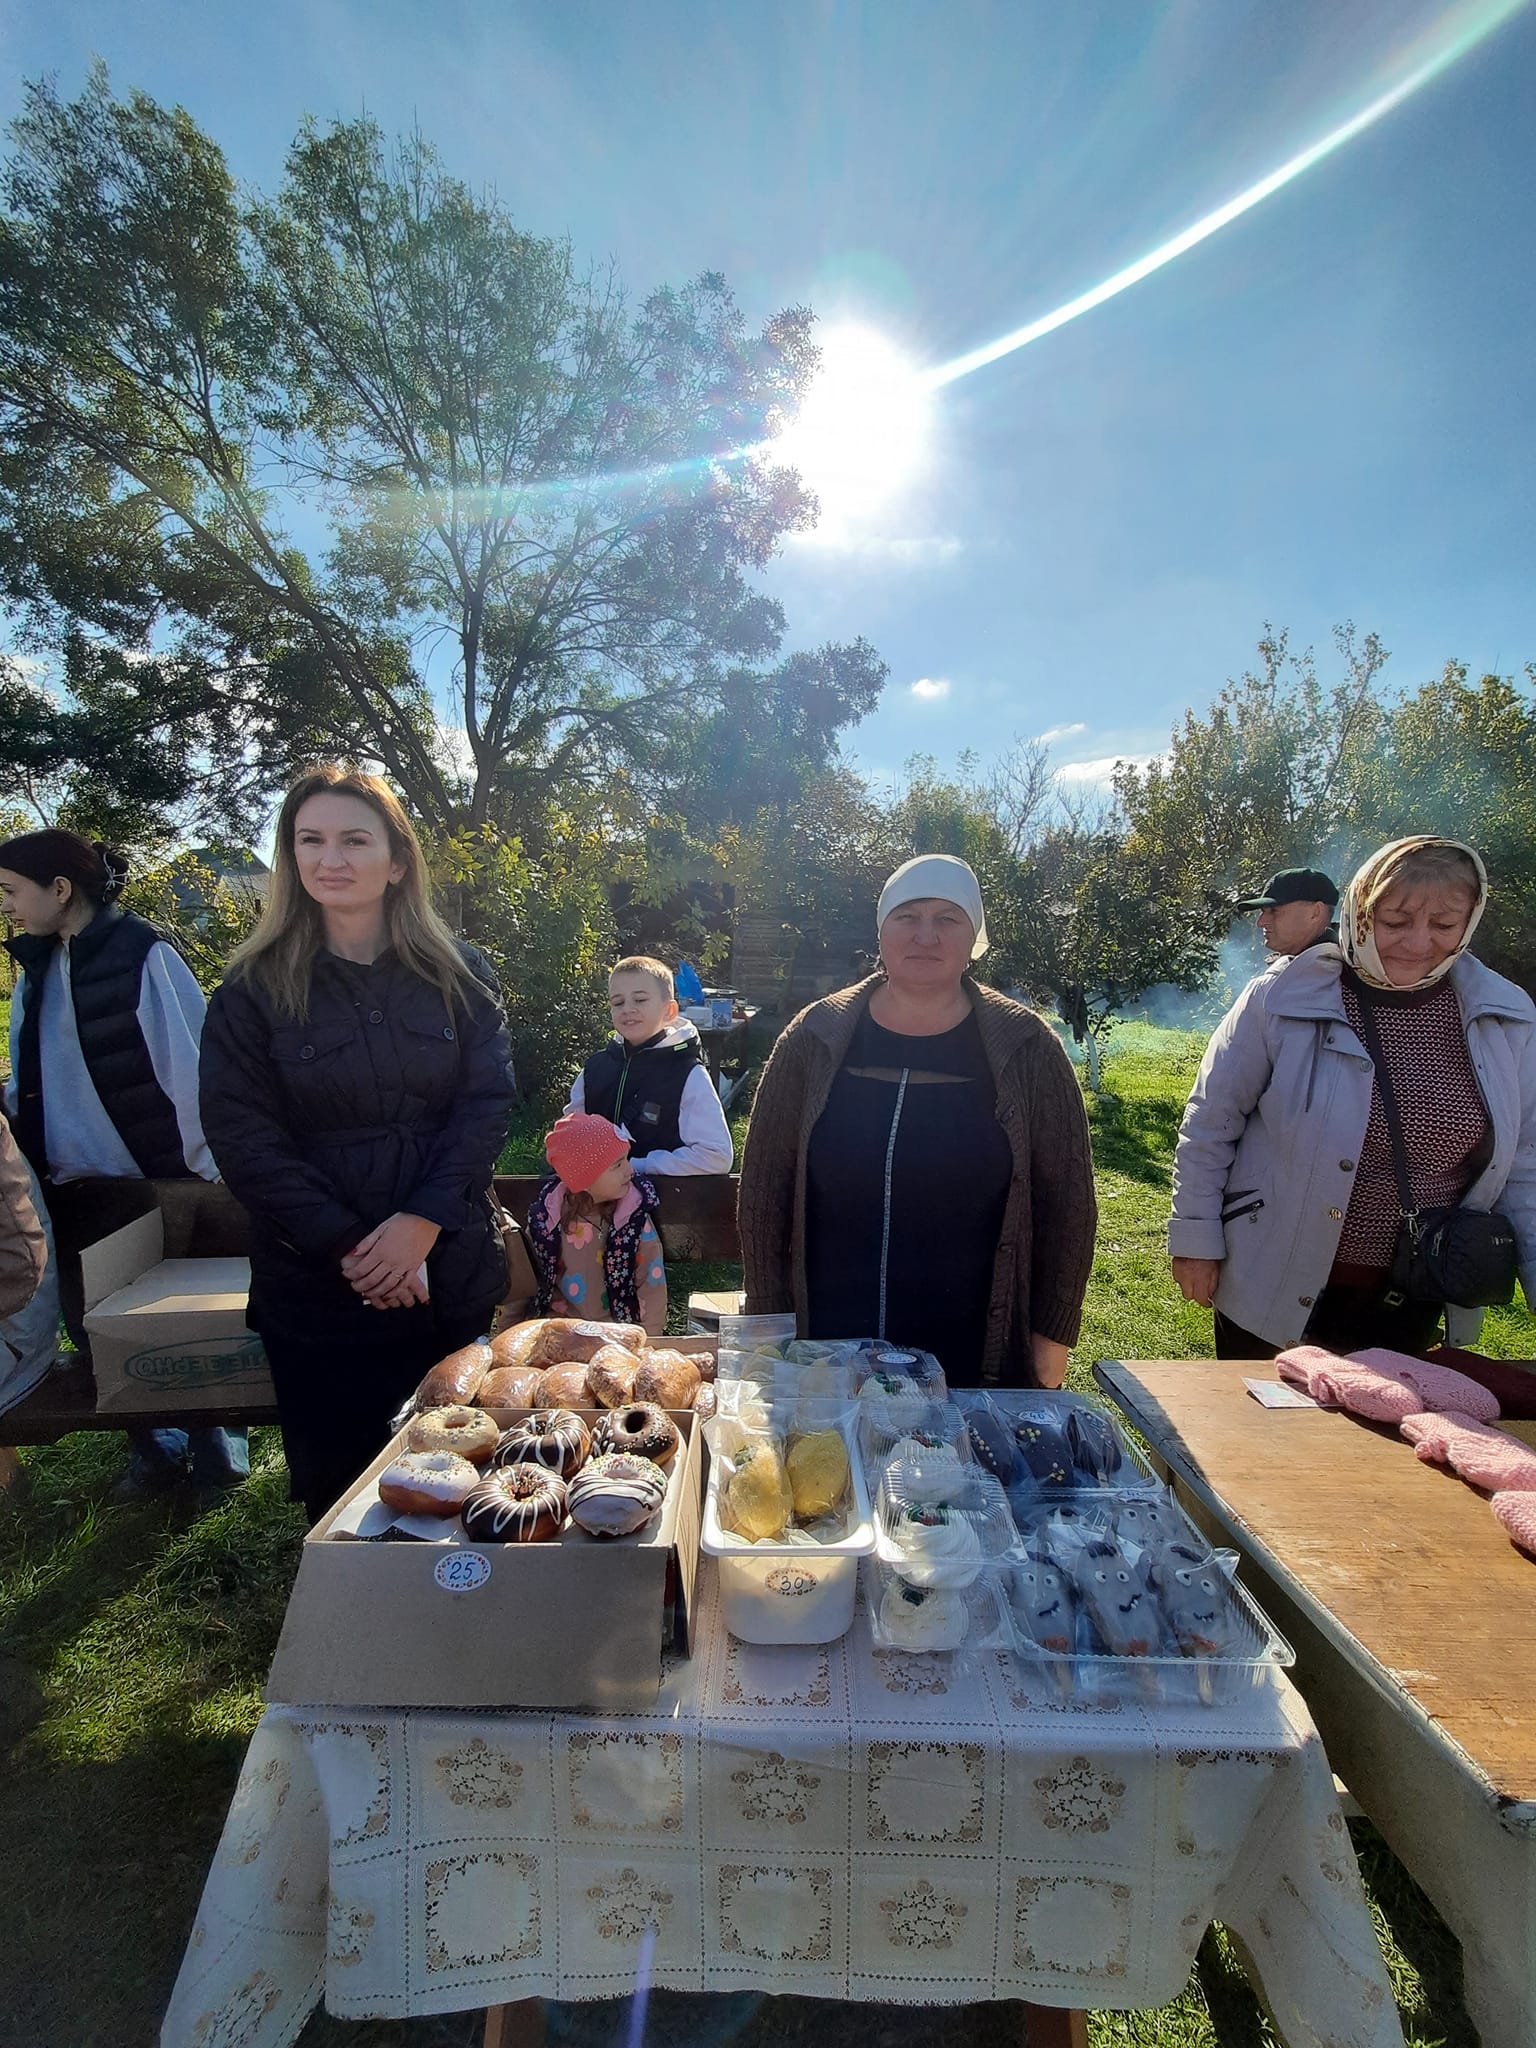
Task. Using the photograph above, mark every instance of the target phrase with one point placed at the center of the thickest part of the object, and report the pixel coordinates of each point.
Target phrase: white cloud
(1102, 771)
(929, 687)
(1053, 733)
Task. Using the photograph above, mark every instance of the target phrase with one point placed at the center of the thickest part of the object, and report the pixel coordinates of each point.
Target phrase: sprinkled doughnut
(616, 1494)
(515, 1504)
(468, 1431)
(427, 1483)
(640, 1429)
(552, 1437)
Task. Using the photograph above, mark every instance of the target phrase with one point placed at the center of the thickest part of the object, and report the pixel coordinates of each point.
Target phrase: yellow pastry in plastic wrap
(818, 1474)
(758, 1499)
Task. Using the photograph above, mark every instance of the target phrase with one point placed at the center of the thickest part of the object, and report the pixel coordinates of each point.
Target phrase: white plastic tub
(789, 1592)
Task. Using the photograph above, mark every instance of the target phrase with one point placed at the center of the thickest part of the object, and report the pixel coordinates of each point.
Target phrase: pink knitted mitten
(1442, 1389)
(1517, 1513)
(1343, 1383)
(1482, 1456)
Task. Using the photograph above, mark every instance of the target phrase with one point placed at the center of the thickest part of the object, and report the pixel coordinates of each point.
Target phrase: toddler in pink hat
(594, 1245)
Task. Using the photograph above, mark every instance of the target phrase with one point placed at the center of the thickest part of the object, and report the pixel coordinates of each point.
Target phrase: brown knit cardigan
(1045, 1248)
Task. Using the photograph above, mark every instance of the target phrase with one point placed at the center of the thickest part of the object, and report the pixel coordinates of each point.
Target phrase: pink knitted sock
(1482, 1456)
(1442, 1389)
(1343, 1383)
(1517, 1514)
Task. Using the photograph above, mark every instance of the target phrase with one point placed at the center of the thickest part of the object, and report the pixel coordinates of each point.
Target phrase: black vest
(106, 972)
(641, 1087)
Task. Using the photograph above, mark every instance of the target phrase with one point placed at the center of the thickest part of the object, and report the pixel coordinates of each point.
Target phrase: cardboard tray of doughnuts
(579, 1622)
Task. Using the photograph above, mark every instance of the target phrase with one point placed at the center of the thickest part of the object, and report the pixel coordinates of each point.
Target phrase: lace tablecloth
(834, 1822)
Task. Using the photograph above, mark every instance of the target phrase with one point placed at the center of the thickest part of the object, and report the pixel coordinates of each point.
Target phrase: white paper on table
(1276, 1394)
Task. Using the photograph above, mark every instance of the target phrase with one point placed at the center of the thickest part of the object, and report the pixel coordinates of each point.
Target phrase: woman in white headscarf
(1286, 1207)
(917, 1165)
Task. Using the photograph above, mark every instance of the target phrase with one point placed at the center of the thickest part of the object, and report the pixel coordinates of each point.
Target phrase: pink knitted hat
(581, 1149)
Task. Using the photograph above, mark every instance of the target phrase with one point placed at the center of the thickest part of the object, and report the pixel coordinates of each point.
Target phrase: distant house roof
(235, 866)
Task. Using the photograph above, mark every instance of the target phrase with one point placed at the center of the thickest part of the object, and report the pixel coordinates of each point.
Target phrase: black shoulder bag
(1466, 1257)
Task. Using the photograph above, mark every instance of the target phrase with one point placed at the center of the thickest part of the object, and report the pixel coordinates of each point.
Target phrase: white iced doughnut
(938, 1547)
(922, 1618)
(427, 1483)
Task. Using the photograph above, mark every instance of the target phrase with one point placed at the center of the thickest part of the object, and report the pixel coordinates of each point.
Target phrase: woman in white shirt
(105, 1025)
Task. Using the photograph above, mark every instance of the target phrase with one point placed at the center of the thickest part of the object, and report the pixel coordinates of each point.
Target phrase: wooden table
(1414, 1622)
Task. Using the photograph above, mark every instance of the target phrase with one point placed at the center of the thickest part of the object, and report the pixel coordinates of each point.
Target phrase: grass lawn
(134, 1641)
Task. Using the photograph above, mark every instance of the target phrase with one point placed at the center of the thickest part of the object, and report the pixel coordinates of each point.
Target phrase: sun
(861, 434)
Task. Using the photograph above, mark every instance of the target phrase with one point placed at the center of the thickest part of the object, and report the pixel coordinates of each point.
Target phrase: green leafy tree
(543, 505)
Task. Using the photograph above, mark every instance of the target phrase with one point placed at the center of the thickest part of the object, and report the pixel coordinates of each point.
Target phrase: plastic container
(971, 1527)
(1151, 1529)
(975, 1618)
(798, 1591)
(880, 1432)
(1079, 1446)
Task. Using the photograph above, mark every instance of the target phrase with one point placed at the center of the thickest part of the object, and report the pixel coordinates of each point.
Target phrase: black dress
(907, 1178)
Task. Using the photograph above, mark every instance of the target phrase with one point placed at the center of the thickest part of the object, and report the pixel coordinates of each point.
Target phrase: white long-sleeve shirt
(83, 1141)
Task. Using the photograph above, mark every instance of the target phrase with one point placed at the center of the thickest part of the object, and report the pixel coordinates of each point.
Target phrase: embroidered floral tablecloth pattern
(835, 1822)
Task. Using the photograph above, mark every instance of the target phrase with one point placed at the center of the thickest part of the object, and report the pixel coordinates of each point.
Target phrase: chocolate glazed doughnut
(515, 1504)
(640, 1429)
(552, 1437)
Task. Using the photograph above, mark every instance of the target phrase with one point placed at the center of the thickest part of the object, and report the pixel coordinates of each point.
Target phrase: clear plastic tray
(981, 1608)
(1074, 1425)
(792, 1592)
(971, 1522)
(880, 1432)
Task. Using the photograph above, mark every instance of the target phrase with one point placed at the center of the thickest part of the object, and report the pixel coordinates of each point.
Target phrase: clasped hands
(386, 1268)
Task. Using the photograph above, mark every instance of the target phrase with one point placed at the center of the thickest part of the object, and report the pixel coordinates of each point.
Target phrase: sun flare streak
(1473, 25)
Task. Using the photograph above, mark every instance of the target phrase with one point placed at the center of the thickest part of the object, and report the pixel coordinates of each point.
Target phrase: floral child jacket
(608, 1271)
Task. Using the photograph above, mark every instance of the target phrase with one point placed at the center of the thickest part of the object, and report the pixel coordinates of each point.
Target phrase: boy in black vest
(650, 1078)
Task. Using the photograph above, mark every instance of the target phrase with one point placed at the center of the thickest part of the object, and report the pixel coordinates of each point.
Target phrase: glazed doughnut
(668, 1379)
(562, 1386)
(515, 1504)
(641, 1429)
(468, 1431)
(615, 1495)
(611, 1376)
(551, 1437)
(510, 1386)
(455, 1378)
(579, 1342)
(427, 1483)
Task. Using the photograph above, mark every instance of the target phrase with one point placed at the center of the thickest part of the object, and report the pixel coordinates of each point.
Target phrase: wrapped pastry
(1198, 1605)
(935, 1546)
(758, 1500)
(455, 1380)
(893, 1401)
(567, 1340)
(1112, 1584)
(991, 1442)
(1153, 1523)
(611, 1376)
(925, 1469)
(1040, 1437)
(563, 1386)
(1095, 1446)
(704, 1401)
(667, 1378)
(519, 1343)
(817, 1468)
(1044, 1607)
(510, 1386)
(922, 1617)
(900, 1361)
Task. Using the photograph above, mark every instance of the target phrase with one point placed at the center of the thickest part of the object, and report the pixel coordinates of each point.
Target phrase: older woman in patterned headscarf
(1286, 1207)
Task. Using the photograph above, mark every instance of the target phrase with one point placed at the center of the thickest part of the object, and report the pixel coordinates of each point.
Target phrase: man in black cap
(1295, 910)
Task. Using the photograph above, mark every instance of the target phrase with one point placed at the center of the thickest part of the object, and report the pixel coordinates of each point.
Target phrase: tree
(543, 506)
(1262, 780)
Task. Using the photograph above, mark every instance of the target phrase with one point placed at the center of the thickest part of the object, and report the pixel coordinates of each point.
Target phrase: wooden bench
(696, 1220)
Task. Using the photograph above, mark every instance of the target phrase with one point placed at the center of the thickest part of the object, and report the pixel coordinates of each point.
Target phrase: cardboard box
(169, 1333)
(574, 1623)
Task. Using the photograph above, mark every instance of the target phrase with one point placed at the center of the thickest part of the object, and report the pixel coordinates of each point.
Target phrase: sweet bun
(704, 1401)
(510, 1386)
(519, 1344)
(454, 1379)
(668, 1379)
(467, 1432)
(611, 1376)
(563, 1386)
(427, 1483)
(568, 1339)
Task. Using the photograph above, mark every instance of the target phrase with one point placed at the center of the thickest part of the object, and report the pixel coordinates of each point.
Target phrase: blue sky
(1323, 412)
